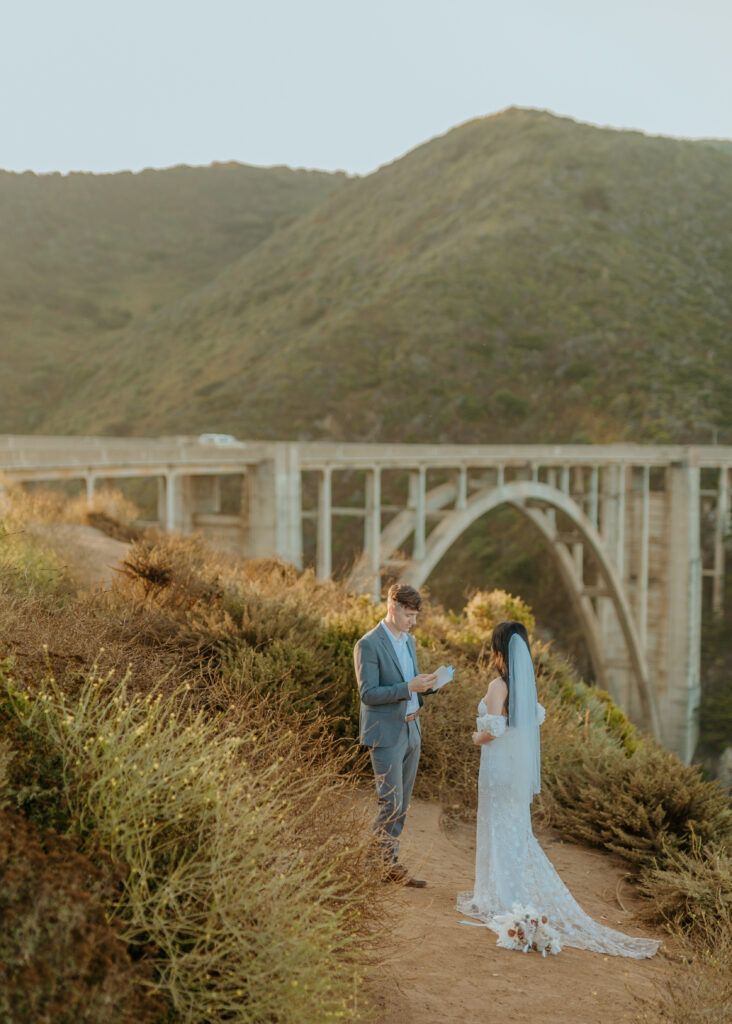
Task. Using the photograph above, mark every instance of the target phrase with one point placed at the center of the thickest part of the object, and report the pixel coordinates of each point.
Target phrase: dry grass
(62, 961)
(695, 887)
(33, 556)
(238, 819)
(239, 835)
(261, 643)
(700, 990)
(19, 507)
(28, 566)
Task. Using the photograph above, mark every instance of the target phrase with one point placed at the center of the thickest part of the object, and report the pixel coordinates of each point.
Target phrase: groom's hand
(423, 682)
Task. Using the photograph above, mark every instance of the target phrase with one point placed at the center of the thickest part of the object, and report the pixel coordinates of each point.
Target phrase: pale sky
(98, 85)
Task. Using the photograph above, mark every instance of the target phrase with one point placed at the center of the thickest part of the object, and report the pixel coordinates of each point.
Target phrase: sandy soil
(89, 554)
(443, 971)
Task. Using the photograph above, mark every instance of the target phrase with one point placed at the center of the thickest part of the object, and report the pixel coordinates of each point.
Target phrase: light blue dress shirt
(404, 657)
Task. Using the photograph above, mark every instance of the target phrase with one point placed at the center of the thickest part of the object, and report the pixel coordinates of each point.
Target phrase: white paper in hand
(444, 675)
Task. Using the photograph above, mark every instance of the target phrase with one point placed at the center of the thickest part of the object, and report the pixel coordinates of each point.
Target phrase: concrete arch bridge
(637, 532)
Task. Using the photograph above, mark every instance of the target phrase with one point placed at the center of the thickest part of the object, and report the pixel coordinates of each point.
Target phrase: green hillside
(522, 278)
(82, 256)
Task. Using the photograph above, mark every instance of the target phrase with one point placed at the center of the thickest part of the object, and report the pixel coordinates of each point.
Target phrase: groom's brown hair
(405, 595)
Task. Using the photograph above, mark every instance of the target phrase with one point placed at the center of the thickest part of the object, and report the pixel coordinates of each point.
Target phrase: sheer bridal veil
(523, 717)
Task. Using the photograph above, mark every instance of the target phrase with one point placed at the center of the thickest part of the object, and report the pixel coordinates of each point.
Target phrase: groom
(391, 687)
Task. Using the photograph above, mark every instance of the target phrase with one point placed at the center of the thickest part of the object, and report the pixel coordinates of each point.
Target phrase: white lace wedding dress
(510, 866)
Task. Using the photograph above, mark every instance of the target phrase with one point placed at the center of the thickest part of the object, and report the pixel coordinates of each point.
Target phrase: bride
(510, 866)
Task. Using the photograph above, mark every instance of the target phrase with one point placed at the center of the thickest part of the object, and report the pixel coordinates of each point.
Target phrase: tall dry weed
(235, 844)
(28, 565)
(61, 962)
(250, 626)
(693, 885)
(699, 990)
(21, 507)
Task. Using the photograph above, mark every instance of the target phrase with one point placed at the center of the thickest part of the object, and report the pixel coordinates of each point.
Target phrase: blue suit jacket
(383, 690)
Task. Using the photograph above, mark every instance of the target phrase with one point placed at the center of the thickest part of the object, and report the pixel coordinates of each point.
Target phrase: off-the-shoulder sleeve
(495, 725)
(540, 713)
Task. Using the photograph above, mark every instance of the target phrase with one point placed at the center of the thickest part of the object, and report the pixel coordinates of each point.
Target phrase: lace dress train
(510, 866)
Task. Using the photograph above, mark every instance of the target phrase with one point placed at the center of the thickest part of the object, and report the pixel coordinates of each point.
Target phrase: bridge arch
(533, 499)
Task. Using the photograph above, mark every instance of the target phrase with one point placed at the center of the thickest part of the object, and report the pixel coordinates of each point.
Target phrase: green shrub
(592, 705)
(487, 608)
(246, 855)
(261, 627)
(693, 884)
(693, 887)
(510, 406)
(337, 637)
(646, 806)
(60, 960)
(28, 564)
(32, 774)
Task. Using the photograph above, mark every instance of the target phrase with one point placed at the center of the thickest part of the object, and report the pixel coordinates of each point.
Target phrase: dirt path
(443, 971)
(89, 555)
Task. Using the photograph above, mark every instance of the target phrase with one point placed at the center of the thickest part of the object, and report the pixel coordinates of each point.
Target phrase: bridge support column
(290, 504)
(417, 487)
(578, 550)
(272, 508)
(90, 481)
(372, 531)
(643, 568)
(185, 502)
(172, 501)
(461, 484)
(551, 479)
(324, 552)
(720, 529)
(258, 511)
(679, 703)
(594, 497)
(178, 502)
(617, 666)
(620, 474)
(161, 505)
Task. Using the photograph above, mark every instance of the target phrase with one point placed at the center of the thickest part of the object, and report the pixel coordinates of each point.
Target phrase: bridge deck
(151, 456)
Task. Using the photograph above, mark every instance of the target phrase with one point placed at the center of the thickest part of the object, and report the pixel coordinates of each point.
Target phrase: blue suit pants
(395, 769)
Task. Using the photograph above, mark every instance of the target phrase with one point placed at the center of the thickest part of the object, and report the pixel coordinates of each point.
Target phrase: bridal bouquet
(526, 929)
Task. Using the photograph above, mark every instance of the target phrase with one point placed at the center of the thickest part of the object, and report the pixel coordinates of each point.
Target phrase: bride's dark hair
(499, 645)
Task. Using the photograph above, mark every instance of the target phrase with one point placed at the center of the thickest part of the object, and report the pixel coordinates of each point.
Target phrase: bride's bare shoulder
(495, 698)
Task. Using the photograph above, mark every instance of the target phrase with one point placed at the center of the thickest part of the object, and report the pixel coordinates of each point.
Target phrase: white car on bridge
(225, 440)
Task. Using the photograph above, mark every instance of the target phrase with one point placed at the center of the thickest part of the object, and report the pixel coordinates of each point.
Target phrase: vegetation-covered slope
(210, 785)
(522, 278)
(83, 255)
